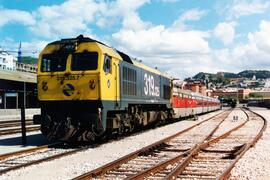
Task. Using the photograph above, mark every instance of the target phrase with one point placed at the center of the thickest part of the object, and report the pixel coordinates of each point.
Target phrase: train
(88, 90)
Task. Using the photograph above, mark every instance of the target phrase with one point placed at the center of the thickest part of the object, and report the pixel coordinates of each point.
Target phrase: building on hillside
(7, 61)
(259, 95)
(241, 94)
(196, 86)
(221, 74)
(236, 81)
(10, 62)
(209, 92)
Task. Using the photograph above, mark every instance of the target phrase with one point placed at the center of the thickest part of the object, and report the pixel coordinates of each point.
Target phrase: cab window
(54, 62)
(84, 61)
(107, 64)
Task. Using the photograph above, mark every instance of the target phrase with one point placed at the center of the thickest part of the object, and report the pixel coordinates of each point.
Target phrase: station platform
(15, 114)
(12, 143)
(18, 76)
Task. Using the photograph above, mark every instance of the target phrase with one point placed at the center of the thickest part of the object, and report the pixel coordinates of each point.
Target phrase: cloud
(75, 17)
(255, 54)
(189, 15)
(122, 11)
(261, 38)
(158, 40)
(225, 32)
(239, 8)
(192, 15)
(168, 48)
(30, 48)
(168, 1)
(15, 16)
(257, 51)
(186, 52)
(67, 19)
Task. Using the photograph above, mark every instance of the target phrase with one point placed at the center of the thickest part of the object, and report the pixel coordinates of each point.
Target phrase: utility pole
(23, 104)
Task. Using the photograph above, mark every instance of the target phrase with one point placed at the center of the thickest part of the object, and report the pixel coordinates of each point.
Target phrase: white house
(7, 61)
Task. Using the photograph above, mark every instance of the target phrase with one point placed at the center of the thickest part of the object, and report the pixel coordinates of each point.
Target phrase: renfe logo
(149, 88)
(68, 89)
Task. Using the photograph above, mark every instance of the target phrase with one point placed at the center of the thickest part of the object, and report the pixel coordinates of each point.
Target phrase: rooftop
(18, 76)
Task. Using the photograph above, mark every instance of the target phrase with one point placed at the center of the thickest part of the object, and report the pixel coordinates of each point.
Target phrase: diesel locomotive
(87, 89)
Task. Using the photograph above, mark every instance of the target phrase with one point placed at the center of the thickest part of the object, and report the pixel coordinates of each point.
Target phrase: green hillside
(29, 60)
(261, 74)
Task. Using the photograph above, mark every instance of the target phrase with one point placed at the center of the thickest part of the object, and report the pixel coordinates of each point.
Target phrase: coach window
(107, 64)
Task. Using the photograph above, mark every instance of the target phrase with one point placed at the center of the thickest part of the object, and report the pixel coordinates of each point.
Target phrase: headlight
(92, 84)
(44, 86)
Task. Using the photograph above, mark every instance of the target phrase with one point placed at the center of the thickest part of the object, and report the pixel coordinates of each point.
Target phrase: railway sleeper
(200, 173)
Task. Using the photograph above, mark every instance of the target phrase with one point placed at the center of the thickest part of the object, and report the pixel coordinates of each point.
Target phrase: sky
(180, 37)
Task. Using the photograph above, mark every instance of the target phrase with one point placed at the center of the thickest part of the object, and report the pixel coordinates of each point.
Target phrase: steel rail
(226, 173)
(14, 124)
(103, 169)
(18, 130)
(30, 150)
(14, 121)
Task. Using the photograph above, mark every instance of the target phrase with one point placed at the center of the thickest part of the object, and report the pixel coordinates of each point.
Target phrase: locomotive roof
(78, 39)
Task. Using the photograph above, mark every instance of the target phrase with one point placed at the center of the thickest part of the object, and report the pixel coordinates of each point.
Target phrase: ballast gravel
(82, 162)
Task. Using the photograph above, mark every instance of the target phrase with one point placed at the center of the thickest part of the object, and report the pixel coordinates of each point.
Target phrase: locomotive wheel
(121, 128)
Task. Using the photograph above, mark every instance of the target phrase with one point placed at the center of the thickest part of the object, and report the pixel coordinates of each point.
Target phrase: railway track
(12, 123)
(24, 158)
(28, 157)
(200, 152)
(14, 126)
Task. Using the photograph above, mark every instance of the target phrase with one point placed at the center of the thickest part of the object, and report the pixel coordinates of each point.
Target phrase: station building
(196, 86)
(13, 84)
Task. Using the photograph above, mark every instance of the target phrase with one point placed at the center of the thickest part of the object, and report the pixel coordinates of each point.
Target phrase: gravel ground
(255, 164)
(231, 123)
(74, 165)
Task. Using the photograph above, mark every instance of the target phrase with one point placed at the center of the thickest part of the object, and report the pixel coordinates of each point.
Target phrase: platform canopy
(18, 76)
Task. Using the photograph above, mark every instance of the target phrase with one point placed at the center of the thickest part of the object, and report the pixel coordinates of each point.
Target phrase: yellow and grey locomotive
(87, 89)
